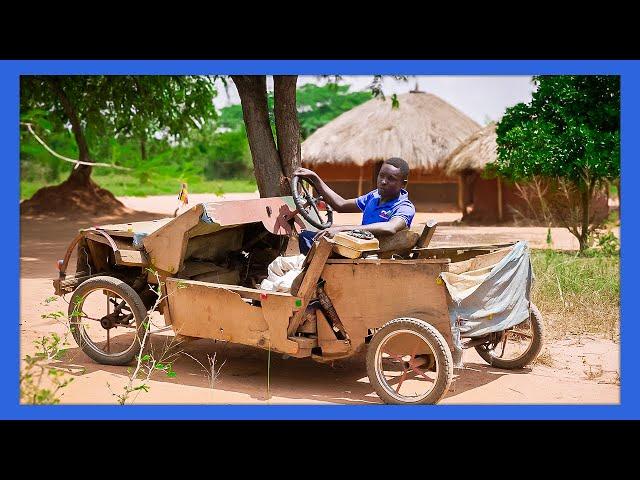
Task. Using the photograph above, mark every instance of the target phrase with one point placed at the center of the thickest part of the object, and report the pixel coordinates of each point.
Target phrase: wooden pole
(499, 200)
(460, 193)
(360, 181)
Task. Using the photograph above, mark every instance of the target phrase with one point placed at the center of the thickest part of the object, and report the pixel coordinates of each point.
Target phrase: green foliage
(129, 105)
(317, 106)
(603, 245)
(395, 103)
(570, 130)
(231, 117)
(213, 158)
(37, 369)
(228, 156)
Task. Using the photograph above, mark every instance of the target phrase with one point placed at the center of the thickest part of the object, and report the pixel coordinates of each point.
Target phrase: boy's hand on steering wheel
(305, 173)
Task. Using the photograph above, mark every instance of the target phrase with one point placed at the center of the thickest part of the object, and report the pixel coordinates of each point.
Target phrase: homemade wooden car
(209, 260)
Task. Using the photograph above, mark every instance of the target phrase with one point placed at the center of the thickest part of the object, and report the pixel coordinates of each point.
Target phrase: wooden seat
(404, 242)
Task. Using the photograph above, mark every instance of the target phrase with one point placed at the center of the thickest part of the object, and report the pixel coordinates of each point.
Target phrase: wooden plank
(378, 261)
(96, 237)
(245, 292)
(99, 253)
(327, 339)
(312, 274)
(427, 233)
(277, 311)
(481, 261)
(167, 245)
(128, 229)
(204, 310)
(346, 251)
(453, 251)
(305, 342)
(131, 258)
(369, 295)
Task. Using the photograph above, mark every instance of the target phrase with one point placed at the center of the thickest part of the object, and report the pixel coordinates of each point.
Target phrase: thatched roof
(474, 153)
(422, 130)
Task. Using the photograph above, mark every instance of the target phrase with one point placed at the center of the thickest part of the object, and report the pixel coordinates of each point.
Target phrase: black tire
(134, 305)
(435, 342)
(528, 356)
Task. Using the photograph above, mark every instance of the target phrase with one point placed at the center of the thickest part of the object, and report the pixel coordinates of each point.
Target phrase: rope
(77, 162)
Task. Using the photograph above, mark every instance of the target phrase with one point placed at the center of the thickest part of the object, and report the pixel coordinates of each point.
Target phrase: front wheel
(106, 318)
(518, 346)
(409, 363)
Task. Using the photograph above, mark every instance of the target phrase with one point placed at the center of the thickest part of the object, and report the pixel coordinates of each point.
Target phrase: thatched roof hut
(348, 151)
(474, 153)
(422, 130)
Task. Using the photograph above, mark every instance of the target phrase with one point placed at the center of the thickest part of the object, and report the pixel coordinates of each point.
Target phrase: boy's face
(390, 181)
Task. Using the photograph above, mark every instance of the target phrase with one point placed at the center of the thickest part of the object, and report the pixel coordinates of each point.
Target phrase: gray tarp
(490, 299)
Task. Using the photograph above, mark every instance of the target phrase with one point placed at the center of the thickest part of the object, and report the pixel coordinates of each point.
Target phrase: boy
(385, 211)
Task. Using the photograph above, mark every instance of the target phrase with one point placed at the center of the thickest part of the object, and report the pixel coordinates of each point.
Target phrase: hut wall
(484, 197)
(429, 191)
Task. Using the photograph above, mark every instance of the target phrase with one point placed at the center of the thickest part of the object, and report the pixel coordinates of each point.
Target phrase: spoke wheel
(409, 362)
(518, 346)
(106, 319)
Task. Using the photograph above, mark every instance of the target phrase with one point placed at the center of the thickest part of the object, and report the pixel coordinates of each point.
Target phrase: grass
(576, 294)
(127, 185)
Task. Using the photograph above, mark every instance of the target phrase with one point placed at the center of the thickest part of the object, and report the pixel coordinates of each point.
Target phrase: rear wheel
(409, 362)
(516, 347)
(106, 319)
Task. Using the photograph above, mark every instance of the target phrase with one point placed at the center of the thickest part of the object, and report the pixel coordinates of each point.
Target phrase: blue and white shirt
(372, 212)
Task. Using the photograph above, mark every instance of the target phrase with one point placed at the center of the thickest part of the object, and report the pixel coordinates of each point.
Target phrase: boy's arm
(394, 225)
(336, 201)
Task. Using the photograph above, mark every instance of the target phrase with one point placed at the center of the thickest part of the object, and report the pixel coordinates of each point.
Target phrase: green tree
(570, 131)
(97, 106)
(318, 105)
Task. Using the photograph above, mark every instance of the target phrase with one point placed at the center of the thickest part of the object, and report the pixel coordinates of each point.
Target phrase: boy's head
(392, 177)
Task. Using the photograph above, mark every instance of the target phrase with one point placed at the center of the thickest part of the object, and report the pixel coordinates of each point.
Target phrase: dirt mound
(73, 199)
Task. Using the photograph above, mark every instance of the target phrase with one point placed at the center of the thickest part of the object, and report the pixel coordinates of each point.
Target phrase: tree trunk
(287, 126)
(82, 174)
(585, 194)
(255, 111)
(143, 149)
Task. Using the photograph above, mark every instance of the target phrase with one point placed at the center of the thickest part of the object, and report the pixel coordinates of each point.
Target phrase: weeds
(149, 363)
(41, 382)
(577, 294)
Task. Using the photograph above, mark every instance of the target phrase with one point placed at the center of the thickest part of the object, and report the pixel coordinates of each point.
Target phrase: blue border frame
(630, 124)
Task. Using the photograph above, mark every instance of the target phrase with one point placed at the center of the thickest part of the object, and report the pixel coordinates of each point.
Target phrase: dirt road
(573, 371)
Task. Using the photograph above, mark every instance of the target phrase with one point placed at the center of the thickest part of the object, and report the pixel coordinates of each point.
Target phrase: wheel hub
(108, 322)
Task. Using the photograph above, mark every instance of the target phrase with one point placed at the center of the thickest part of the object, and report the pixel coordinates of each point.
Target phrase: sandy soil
(574, 370)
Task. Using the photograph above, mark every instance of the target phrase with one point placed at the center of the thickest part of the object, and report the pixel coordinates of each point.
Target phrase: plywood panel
(367, 295)
(128, 229)
(167, 246)
(319, 254)
(203, 310)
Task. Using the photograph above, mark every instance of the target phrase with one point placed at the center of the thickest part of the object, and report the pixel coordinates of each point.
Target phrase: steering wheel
(309, 206)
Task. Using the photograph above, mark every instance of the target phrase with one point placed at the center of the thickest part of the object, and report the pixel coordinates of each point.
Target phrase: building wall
(429, 191)
(483, 194)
